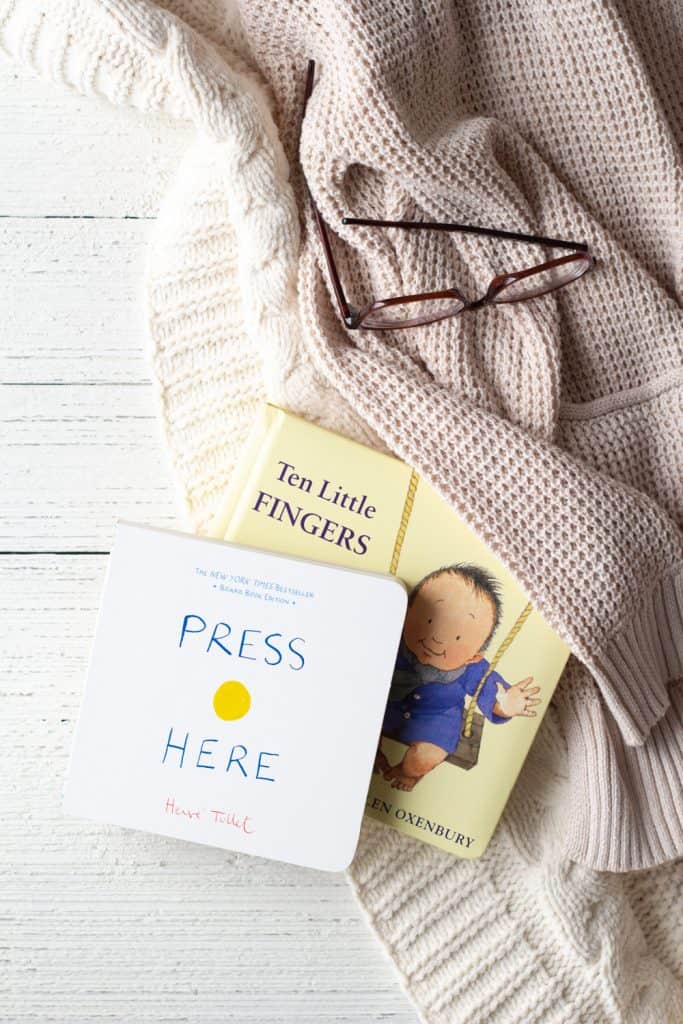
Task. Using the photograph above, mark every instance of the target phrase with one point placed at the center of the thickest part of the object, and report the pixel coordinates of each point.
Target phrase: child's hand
(517, 700)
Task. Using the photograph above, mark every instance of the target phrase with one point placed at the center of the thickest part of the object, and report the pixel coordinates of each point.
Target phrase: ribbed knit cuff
(634, 669)
(626, 809)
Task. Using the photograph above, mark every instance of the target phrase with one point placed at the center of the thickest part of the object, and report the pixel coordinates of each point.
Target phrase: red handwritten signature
(242, 822)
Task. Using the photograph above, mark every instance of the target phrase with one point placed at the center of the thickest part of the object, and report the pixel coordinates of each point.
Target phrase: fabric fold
(635, 668)
(564, 529)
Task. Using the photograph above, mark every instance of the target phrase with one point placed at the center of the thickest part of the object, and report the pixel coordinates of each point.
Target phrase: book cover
(223, 682)
(477, 665)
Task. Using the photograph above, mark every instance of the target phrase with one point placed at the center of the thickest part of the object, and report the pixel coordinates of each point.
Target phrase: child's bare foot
(398, 778)
(381, 762)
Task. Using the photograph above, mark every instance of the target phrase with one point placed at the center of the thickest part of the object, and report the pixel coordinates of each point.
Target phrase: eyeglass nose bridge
(476, 303)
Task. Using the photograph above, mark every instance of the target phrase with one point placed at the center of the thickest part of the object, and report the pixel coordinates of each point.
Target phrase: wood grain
(70, 155)
(101, 924)
(77, 458)
(88, 325)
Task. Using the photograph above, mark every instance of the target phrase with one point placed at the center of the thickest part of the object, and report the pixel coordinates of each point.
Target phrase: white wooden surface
(98, 924)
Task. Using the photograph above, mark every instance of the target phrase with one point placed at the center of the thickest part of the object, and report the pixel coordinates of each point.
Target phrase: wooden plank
(72, 306)
(99, 924)
(70, 155)
(75, 459)
(103, 924)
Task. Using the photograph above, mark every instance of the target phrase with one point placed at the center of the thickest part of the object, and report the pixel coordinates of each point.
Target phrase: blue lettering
(245, 643)
(262, 764)
(270, 648)
(186, 629)
(297, 654)
(174, 746)
(237, 760)
(203, 752)
(217, 639)
(273, 648)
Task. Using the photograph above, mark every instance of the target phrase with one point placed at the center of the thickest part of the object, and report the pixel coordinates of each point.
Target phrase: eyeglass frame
(353, 318)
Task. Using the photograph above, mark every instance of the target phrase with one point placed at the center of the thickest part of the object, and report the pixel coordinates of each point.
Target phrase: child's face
(448, 622)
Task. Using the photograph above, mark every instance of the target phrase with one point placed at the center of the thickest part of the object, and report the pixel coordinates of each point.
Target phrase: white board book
(234, 697)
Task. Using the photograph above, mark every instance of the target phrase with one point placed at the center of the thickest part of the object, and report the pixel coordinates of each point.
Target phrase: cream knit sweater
(554, 428)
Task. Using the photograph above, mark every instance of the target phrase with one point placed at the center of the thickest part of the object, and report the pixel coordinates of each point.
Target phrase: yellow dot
(231, 700)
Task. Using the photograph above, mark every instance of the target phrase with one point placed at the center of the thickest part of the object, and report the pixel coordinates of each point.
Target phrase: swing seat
(466, 754)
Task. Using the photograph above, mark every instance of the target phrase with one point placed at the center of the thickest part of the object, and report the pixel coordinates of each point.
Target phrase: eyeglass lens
(410, 314)
(543, 281)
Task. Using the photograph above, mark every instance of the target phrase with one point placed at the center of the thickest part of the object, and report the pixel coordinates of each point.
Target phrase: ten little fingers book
(476, 665)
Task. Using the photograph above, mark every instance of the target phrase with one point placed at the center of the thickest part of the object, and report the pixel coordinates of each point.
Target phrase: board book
(234, 697)
(477, 664)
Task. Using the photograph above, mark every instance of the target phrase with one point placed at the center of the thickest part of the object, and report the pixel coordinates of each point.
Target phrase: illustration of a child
(452, 615)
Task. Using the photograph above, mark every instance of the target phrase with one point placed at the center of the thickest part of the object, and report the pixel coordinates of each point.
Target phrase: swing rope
(469, 716)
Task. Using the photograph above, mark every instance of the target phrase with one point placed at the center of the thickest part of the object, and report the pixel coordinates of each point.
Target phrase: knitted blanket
(552, 427)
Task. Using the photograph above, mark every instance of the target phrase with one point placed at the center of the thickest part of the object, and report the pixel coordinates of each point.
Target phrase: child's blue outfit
(426, 704)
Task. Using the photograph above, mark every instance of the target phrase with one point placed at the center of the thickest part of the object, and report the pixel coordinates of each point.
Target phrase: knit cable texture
(565, 457)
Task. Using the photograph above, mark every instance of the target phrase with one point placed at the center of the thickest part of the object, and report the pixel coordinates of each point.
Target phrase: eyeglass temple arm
(344, 307)
(467, 229)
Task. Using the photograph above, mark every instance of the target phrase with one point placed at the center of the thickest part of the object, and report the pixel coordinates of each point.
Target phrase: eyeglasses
(427, 307)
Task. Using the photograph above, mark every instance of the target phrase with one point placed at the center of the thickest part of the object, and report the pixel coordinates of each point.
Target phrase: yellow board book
(477, 665)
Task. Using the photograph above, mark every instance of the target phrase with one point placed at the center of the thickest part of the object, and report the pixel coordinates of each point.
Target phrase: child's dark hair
(481, 581)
